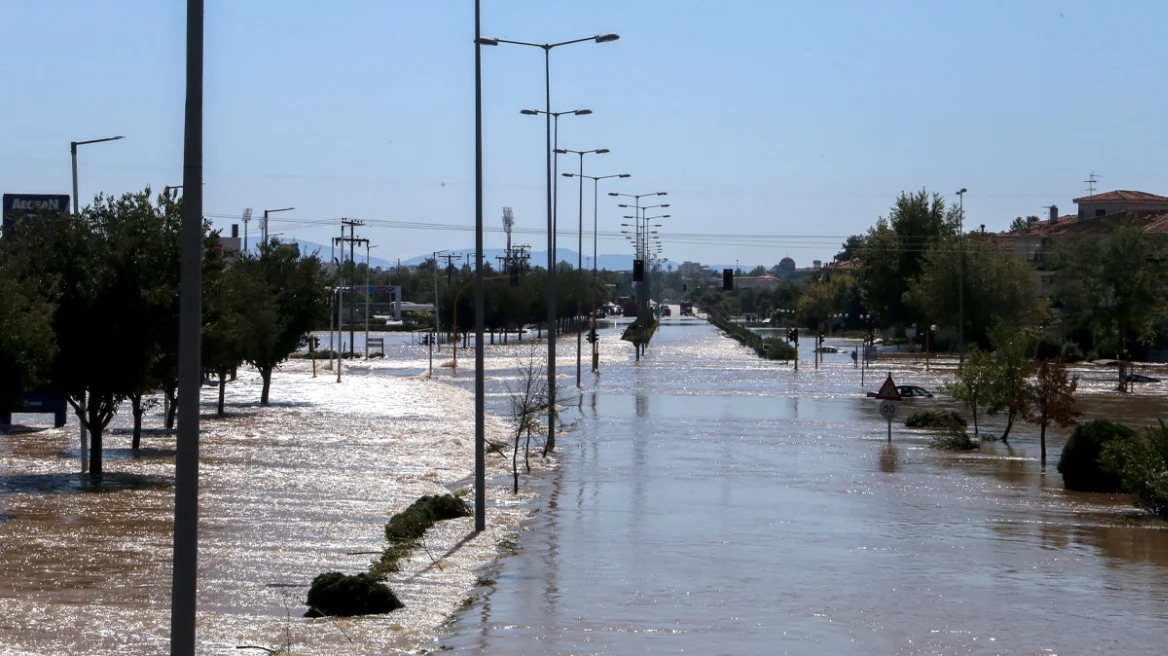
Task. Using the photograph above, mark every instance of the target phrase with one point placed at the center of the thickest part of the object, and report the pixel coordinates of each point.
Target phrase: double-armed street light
(551, 309)
(555, 159)
(267, 212)
(580, 241)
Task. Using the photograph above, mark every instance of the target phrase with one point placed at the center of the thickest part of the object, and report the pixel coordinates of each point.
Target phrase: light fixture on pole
(551, 367)
(265, 226)
(555, 160)
(580, 245)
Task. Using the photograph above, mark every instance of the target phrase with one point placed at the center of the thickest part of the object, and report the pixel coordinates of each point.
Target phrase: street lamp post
(640, 247)
(265, 228)
(580, 243)
(84, 434)
(73, 151)
(595, 203)
(961, 276)
(551, 367)
(555, 160)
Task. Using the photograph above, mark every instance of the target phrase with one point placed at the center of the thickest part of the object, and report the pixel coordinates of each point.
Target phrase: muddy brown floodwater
(714, 503)
(287, 492)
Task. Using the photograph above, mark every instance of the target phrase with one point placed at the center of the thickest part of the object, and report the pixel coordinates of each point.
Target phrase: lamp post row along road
(551, 309)
(595, 203)
(580, 241)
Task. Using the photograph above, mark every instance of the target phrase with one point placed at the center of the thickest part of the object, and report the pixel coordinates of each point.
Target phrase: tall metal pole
(82, 433)
(353, 286)
(595, 214)
(480, 506)
(961, 278)
(551, 309)
(186, 479)
(580, 269)
(368, 293)
(437, 322)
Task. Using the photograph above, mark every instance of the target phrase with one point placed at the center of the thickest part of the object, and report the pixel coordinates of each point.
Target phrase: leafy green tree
(852, 247)
(103, 265)
(976, 385)
(1020, 224)
(290, 298)
(824, 299)
(894, 251)
(1142, 466)
(230, 298)
(1051, 399)
(1112, 287)
(999, 288)
(1013, 369)
(27, 341)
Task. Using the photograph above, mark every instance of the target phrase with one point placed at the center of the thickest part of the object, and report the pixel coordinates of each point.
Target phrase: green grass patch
(334, 594)
(406, 529)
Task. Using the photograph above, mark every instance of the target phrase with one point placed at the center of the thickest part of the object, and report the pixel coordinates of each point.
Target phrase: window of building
(1099, 213)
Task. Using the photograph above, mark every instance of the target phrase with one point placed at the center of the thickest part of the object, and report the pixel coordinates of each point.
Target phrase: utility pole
(368, 295)
(185, 569)
(340, 302)
(352, 240)
(450, 264)
(437, 323)
(961, 279)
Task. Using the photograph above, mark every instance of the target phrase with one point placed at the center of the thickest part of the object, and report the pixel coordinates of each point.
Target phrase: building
(786, 266)
(1097, 215)
(691, 270)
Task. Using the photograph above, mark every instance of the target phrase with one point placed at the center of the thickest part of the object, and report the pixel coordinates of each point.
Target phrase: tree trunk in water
(95, 435)
(975, 433)
(1009, 425)
(136, 407)
(222, 389)
(1042, 442)
(267, 376)
(172, 397)
(527, 452)
(515, 466)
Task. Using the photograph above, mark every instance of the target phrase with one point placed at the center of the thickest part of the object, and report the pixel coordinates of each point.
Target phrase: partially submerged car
(909, 392)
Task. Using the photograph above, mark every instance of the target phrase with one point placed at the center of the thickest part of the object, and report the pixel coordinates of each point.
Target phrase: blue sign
(19, 206)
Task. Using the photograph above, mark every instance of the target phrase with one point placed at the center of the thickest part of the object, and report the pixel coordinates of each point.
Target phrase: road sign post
(889, 397)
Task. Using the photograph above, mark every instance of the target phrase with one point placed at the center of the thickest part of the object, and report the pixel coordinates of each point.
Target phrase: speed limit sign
(888, 409)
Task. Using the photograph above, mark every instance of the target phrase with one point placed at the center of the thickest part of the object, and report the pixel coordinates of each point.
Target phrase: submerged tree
(27, 343)
(529, 399)
(1051, 399)
(976, 383)
(290, 298)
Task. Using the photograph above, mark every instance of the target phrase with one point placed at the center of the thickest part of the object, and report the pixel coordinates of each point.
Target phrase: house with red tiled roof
(1098, 214)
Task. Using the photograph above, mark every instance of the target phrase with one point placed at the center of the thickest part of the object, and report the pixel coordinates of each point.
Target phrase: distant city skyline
(776, 129)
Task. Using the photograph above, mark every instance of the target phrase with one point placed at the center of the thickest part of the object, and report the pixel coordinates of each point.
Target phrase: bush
(407, 527)
(336, 594)
(1142, 465)
(938, 419)
(1080, 464)
(955, 439)
(777, 349)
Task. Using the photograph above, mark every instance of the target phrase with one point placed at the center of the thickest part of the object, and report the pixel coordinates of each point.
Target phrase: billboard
(19, 206)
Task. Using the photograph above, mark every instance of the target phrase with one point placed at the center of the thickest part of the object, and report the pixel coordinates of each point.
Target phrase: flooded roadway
(714, 503)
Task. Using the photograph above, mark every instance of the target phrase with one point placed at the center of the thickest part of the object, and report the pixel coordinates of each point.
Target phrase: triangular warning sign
(888, 391)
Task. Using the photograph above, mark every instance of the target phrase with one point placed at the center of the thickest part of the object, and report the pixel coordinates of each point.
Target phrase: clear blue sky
(758, 117)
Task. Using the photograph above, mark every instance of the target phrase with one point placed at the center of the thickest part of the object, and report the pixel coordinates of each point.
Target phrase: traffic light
(795, 336)
(638, 270)
(727, 279)
(592, 337)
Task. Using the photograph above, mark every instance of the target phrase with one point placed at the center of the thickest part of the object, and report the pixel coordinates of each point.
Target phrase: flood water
(710, 502)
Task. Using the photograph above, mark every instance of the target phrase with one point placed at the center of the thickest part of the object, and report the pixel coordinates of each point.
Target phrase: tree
(1020, 224)
(1112, 287)
(529, 399)
(27, 343)
(976, 385)
(1051, 399)
(824, 299)
(290, 298)
(999, 288)
(851, 248)
(759, 270)
(894, 250)
(1013, 370)
(230, 299)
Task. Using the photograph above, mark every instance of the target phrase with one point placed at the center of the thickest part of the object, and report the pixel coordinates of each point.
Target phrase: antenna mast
(1090, 182)
(508, 223)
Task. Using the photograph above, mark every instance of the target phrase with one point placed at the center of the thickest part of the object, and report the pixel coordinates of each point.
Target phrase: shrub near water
(935, 419)
(1142, 465)
(1080, 462)
(336, 594)
(406, 528)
